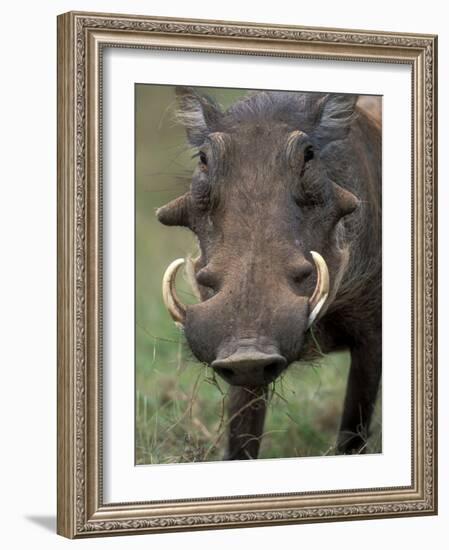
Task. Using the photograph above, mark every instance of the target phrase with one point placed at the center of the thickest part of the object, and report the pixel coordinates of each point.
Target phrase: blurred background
(180, 405)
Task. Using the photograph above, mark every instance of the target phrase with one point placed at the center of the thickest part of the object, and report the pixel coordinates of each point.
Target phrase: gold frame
(81, 38)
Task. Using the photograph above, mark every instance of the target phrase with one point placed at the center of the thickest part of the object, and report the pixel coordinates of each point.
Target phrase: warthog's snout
(250, 367)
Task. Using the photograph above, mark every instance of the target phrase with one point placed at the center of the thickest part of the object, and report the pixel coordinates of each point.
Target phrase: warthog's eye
(203, 159)
(299, 150)
(308, 153)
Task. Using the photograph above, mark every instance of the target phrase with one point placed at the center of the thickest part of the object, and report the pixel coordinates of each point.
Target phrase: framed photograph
(246, 274)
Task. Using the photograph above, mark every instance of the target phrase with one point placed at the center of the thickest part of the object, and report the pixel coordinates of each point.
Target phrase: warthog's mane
(304, 111)
(325, 116)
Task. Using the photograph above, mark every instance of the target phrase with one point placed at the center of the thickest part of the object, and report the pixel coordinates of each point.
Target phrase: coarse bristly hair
(327, 117)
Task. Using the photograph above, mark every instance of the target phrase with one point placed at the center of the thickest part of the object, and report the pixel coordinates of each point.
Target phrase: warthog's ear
(176, 212)
(336, 113)
(198, 113)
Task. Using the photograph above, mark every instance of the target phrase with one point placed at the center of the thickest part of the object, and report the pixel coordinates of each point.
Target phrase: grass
(180, 405)
(181, 410)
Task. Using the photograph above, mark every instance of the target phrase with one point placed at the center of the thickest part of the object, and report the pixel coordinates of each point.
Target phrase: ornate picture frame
(82, 40)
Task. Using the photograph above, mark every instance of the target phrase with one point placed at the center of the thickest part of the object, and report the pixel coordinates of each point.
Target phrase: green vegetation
(180, 406)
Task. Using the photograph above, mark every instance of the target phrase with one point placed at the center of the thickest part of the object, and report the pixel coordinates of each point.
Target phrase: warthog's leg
(246, 416)
(361, 393)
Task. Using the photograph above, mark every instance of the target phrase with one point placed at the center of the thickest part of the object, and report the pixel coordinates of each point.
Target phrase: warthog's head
(266, 211)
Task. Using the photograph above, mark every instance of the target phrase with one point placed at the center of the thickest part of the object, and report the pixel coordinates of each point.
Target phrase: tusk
(321, 292)
(173, 304)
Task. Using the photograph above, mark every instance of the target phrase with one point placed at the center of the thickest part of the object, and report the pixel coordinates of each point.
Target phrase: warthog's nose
(250, 368)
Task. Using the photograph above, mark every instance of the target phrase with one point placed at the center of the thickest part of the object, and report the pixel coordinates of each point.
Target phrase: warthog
(285, 202)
